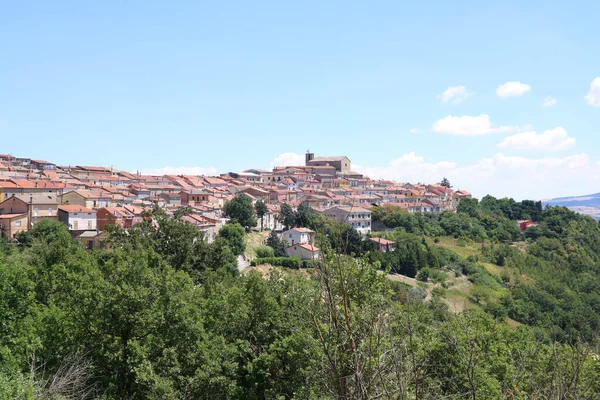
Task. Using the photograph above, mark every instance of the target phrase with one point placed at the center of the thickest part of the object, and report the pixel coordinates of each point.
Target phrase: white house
(304, 251)
(299, 236)
(357, 217)
(77, 218)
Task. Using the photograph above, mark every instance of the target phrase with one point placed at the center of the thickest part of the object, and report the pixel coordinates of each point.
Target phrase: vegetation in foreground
(162, 314)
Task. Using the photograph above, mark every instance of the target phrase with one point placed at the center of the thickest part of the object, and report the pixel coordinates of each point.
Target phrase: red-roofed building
(117, 216)
(383, 245)
(77, 218)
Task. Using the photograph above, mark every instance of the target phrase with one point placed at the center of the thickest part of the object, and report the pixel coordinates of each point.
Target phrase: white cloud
(455, 94)
(289, 159)
(181, 171)
(414, 131)
(499, 175)
(551, 140)
(549, 102)
(469, 126)
(510, 89)
(593, 96)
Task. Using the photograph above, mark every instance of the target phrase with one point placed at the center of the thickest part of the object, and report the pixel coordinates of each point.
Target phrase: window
(35, 212)
(89, 224)
(90, 244)
(18, 223)
(50, 211)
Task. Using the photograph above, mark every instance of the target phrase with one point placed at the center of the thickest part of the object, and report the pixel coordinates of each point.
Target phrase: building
(12, 224)
(37, 208)
(525, 224)
(299, 236)
(88, 198)
(116, 216)
(304, 251)
(383, 245)
(341, 163)
(91, 239)
(357, 217)
(78, 218)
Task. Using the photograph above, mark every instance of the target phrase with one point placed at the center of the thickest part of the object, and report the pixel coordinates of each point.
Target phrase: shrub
(423, 275)
(438, 292)
(287, 262)
(265, 252)
(416, 295)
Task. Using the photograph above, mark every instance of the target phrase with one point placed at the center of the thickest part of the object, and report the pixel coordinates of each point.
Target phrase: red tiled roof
(382, 241)
(11, 216)
(75, 209)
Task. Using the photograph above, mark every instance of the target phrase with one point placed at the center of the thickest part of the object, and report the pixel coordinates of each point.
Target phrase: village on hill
(88, 198)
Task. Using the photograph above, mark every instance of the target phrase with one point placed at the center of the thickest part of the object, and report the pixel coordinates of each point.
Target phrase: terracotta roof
(75, 209)
(308, 247)
(382, 241)
(11, 216)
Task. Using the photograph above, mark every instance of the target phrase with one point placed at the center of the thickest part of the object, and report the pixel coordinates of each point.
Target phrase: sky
(499, 97)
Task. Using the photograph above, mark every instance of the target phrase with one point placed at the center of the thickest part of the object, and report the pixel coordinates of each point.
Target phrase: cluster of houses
(88, 198)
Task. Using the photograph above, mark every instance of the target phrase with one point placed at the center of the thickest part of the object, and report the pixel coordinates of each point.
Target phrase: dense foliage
(240, 210)
(161, 314)
(552, 273)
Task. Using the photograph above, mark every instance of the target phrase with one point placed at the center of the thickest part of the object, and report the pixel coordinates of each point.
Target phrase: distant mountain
(588, 204)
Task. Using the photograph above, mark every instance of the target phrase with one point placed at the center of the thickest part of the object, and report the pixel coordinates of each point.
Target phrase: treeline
(163, 315)
(552, 273)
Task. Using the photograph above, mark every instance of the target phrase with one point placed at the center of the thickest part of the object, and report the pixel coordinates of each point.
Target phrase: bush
(423, 275)
(438, 292)
(416, 295)
(265, 252)
(496, 310)
(287, 262)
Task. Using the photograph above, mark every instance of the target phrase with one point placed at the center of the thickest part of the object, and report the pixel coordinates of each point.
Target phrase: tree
(445, 182)
(235, 236)
(468, 206)
(240, 210)
(261, 209)
(287, 216)
(277, 244)
(304, 214)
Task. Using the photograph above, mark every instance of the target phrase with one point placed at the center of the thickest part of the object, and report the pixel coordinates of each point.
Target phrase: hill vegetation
(161, 314)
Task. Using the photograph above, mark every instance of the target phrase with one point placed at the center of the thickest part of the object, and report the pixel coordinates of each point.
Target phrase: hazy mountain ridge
(586, 204)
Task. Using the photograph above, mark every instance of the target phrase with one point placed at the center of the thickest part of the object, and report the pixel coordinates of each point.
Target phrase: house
(171, 198)
(91, 239)
(357, 217)
(299, 236)
(43, 165)
(89, 198)
(78, 218)
(37, 208)
(270, 220)
(12, 224)
(525, 224)
(304, 251)
(383, 245)
(116, 216)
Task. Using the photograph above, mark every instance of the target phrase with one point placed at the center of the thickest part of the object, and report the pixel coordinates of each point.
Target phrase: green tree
(240, 210)
(261, 210)
(235, 236)
(287, 216)
(445, 182)
(304, 214)
(278, 245)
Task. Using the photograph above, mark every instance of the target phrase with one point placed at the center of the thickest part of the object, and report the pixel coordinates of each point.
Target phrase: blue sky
(221, 86)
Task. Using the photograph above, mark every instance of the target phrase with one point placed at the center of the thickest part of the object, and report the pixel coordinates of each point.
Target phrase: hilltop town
(88, 198)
